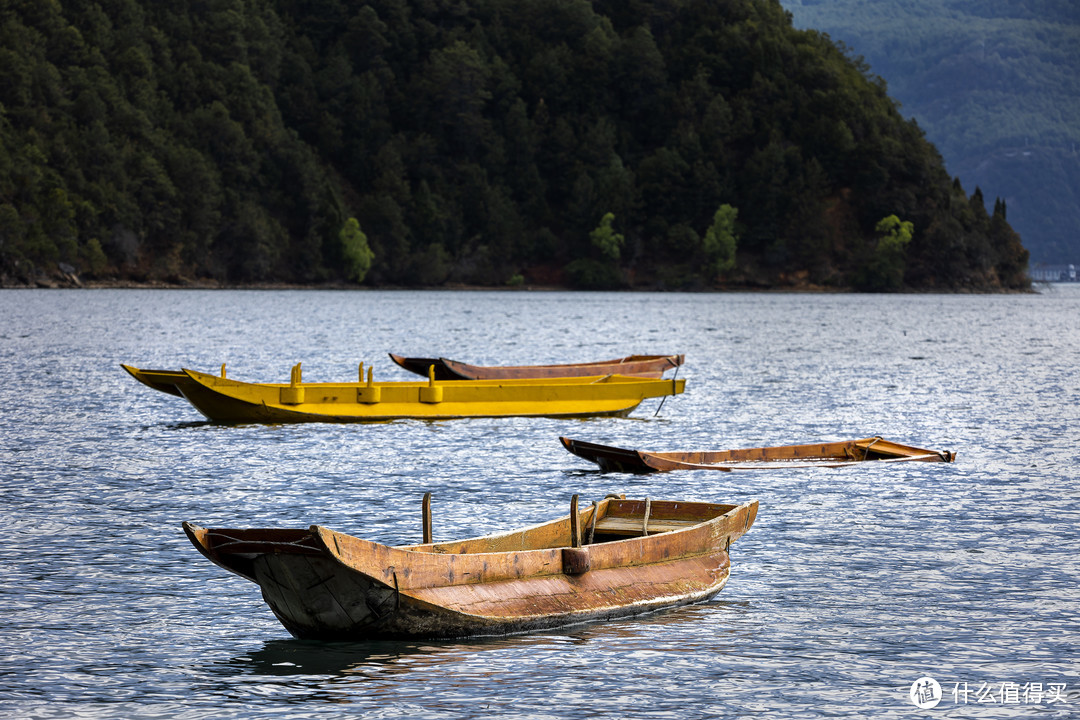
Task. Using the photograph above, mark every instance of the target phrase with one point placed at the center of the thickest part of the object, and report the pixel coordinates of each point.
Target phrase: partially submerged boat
(225, 400)
(824, 454)
(613, 559)
(651, 366)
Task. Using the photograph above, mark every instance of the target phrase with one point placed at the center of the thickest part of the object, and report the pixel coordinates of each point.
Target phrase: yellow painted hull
(231, 401)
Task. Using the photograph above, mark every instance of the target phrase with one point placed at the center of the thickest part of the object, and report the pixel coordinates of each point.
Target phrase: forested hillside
(996, 86)
(613, 143)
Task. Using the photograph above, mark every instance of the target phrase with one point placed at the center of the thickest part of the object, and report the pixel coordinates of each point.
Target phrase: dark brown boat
(166, 381)
(613, 559)
(172, 382)
(648, 366)
(824, 454)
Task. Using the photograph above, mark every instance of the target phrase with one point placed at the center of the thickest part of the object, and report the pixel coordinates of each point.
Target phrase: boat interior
(611, 519)
(608, 520)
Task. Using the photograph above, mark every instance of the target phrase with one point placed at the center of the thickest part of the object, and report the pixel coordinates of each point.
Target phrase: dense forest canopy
(996, 86)
(613, 143)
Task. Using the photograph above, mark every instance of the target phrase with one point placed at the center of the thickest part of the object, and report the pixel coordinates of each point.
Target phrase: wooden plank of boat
(226, 400)
(613, 559)
(652, 366)
(825, 454)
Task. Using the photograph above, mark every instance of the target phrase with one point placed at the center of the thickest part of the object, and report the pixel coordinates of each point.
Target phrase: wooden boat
(167, 381)
(652, 366)
(614, 559)
(226, 400)
(825, 454)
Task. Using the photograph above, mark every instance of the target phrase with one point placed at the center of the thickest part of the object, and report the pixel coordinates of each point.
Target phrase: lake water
(853, 583)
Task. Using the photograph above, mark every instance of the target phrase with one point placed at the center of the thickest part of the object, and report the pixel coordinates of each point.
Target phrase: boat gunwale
(575, 381)
(482, 567)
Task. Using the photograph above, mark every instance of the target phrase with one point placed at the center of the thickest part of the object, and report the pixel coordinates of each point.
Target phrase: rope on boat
(866, 450)
(673, 386)
(645, 522)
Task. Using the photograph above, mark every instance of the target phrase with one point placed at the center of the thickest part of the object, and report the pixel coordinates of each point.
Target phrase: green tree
(720, 240)
(606, 240)
(356, 251)
(885, 270)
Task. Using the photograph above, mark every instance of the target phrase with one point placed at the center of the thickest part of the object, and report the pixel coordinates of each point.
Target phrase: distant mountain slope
(593, 143)
(996, 86)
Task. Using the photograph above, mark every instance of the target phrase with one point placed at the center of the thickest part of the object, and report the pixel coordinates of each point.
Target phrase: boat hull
(225, 400)
(326, 585)
(352, 606)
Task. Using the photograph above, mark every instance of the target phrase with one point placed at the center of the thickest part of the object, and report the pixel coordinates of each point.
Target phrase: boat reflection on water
(349, 661)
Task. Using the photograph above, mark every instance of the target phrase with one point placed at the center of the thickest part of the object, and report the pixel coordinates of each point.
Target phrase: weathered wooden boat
(824, 454)
(614, 559)
(226, 400)
(652, 366)
(167, 381)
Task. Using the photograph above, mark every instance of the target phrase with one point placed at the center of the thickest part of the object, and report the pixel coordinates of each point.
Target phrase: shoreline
(68, 281)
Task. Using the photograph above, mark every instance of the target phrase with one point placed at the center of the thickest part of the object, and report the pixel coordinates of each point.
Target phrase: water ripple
(852, 584)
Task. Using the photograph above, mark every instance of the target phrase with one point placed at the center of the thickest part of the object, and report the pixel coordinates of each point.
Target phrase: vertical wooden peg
(575, 525)
(427, 518)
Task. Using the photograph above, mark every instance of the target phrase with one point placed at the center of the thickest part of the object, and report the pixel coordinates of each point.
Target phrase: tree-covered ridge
(996, 86)
(476, 141)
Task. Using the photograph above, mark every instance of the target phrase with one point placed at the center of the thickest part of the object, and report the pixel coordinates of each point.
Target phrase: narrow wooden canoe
(226, 400)
(651, 366)
(825, 454)
(167, 381)
(172, 382)
(613, 559)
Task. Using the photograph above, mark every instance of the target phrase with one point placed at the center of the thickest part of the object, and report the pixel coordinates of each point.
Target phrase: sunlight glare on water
(852, 583)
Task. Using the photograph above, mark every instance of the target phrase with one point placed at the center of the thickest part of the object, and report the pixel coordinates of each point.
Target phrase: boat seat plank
(632, 526)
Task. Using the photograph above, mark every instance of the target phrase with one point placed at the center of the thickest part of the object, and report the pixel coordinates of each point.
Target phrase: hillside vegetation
(996, 86)
(678, 144)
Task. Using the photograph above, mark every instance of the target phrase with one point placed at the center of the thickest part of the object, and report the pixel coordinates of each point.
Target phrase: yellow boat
(225, 400)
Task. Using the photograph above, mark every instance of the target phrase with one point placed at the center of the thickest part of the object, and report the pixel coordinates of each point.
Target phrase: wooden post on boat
(575, 558)
(575, 525)
(592, 522)
(427, 518)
